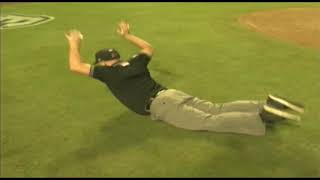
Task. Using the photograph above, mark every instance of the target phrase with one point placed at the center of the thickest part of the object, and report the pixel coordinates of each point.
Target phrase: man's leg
(270, 111)
(235, 106)
(188, 117)
(184, 111)
(174, 108)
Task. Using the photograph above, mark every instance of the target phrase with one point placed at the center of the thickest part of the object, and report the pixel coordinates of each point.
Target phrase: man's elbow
(73, 68)
(149, 50)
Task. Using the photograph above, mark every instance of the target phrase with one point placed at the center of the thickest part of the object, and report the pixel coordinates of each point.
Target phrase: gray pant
(185, 111)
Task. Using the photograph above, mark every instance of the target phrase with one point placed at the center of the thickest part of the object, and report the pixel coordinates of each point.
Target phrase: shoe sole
(281, 113)
(288, 104)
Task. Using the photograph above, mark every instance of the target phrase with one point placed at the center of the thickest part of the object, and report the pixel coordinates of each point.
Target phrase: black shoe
(270, 114)
(282, 103)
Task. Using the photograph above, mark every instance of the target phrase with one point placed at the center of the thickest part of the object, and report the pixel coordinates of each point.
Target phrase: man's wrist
(126, 36)
(74, 47)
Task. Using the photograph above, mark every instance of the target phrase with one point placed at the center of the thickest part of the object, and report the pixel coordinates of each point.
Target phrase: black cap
(106, 54)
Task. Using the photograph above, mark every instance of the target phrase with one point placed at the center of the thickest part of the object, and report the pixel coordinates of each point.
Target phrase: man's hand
(123, 29)
(74, 37)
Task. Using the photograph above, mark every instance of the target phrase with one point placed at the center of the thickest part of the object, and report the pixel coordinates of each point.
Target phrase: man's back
(132, 84)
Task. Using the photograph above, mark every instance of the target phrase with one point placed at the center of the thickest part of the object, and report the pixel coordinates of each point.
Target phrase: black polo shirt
(132, 85)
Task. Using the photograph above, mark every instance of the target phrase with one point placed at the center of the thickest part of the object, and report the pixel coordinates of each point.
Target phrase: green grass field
(58, 124)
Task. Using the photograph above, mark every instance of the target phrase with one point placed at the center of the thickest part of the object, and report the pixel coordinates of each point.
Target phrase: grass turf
(57, 124)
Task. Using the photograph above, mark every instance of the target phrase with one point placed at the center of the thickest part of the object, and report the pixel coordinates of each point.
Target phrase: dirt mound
(297, 25)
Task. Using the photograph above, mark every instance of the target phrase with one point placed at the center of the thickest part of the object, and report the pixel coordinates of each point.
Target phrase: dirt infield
(297, 25)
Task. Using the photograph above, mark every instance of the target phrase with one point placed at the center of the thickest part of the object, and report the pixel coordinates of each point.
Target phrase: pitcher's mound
(297, 25)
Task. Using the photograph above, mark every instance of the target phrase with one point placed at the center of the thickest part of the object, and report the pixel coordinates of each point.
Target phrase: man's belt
(152, 98)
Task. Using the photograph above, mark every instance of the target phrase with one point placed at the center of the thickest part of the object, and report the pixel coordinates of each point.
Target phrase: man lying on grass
(131, 83)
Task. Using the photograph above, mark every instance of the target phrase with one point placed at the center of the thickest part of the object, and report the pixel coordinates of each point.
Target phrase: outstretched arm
(75, 62)
(124, 31)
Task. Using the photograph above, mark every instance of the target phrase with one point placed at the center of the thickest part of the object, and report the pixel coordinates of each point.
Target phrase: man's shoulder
(98, 71)
(140, 59)
(97, 67)
(141, 55)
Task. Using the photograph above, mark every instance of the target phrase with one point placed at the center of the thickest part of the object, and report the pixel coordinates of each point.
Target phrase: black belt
(151, 100)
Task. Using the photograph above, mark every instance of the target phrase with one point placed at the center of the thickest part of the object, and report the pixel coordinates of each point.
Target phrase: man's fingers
(120, 31)
(123, 24)
(120, 24)
(73, 33)
(123, 27)
(67, 36)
